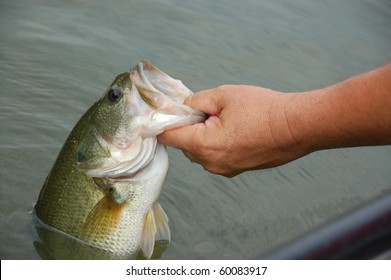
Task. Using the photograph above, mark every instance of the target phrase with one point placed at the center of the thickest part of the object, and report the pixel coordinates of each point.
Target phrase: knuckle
(220, 90)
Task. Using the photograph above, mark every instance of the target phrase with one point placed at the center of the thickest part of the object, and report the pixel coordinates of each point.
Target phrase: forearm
(355, 112)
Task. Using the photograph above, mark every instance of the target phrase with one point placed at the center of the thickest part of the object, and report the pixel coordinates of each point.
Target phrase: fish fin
(161, 222)
(102, 219)
(148, 236)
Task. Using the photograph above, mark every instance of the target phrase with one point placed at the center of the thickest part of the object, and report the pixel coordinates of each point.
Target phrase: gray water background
(58, 57)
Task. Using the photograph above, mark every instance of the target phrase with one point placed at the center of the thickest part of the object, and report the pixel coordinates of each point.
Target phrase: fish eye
(114, 95)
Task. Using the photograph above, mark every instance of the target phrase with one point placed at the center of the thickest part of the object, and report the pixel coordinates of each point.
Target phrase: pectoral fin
(102, 219)
(155, 228)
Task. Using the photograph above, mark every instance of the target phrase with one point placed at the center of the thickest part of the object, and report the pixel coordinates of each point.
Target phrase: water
(57, 58)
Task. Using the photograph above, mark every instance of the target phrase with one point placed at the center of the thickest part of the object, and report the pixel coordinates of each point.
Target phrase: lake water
(58, 57)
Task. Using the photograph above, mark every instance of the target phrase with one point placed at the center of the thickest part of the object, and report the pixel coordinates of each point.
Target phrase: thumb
(180, 138)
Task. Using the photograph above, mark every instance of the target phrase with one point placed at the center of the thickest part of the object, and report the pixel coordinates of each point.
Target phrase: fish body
(104, 186)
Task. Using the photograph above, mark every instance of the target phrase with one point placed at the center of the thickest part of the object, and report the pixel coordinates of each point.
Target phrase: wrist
(305, 119)
(288, 125)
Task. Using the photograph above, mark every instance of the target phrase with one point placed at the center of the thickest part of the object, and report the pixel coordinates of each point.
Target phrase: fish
(104, 186)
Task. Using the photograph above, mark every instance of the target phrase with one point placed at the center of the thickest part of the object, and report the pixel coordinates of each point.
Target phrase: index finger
(207, 101)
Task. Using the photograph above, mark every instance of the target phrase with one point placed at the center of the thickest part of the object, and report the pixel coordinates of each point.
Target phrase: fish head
(123, 124)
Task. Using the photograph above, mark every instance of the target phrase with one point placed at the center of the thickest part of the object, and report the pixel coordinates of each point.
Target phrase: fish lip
(164, 95)
(125, 168)
(156, 87)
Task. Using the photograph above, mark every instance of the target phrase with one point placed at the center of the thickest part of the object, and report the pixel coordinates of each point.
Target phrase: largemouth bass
(104, 186)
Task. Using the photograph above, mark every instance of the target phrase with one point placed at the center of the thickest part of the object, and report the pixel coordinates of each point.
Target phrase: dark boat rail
(363, 233)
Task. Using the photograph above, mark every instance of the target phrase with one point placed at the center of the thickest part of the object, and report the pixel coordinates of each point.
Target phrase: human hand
(252, 127)
(246, 130)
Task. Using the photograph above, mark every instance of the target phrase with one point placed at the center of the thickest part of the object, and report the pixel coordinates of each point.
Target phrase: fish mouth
(165, 95)
(151, 83)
